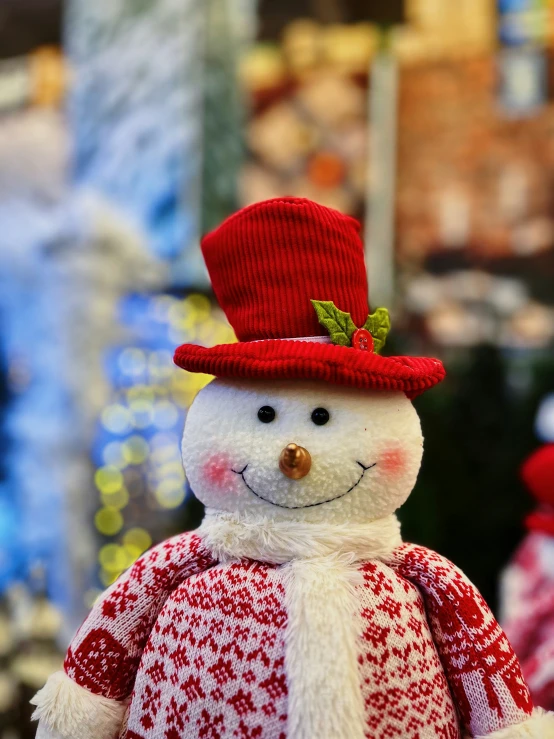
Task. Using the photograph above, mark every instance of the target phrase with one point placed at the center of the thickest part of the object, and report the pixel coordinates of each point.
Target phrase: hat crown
(269, 260)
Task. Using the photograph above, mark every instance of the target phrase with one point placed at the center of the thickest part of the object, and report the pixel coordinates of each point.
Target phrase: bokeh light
(139, 475)
(139, 538)
(118, 499)
(108, 521)
(135, 450)
(108, 479)
(544, 423)
(116, 418)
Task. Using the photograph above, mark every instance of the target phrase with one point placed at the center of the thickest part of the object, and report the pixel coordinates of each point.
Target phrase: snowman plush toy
(295, 611)
(527, 592)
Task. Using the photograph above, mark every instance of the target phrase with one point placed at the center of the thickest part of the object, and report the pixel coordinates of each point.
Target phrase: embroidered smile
(310, 505)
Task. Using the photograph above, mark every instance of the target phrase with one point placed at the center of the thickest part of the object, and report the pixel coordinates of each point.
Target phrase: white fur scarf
(320, 578)
(235, 536)
(321, 649)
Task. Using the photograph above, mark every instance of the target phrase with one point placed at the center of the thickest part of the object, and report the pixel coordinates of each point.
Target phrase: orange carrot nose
(295, 461)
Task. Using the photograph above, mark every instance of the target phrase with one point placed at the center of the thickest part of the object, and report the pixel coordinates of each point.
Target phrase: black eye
(320, 416)
(266, 414)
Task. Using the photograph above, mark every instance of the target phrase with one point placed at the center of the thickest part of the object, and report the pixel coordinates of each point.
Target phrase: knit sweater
(199, 639)
(528, 612)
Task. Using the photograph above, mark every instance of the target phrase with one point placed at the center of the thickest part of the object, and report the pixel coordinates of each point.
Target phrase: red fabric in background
(537, 472)
(541, 521)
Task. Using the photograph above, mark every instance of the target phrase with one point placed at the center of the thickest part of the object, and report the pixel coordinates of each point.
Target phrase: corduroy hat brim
(306, 360)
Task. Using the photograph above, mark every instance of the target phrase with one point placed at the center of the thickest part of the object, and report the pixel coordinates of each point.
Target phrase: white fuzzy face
(365, 458)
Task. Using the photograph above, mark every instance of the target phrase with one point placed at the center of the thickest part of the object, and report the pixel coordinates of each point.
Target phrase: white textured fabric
(314, 339)
(321, 648)
(364, 460)
(539, 726)
(43, 732)
(68, 711)
(234, 536)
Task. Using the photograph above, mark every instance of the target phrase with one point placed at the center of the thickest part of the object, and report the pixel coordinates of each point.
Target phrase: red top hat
(291, 278)
(537, 473)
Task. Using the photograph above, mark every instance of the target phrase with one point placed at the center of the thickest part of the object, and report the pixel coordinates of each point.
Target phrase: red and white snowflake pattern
(105, 654)
(528, 586)
(214, 664)
(403, 683)
(482, 670)
(198, 649)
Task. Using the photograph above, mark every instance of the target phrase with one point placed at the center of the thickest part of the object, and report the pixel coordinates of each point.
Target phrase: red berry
(362, 340)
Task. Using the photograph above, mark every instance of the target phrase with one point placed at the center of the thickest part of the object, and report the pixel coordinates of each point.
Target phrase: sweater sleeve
(88, 699)
(483, 672)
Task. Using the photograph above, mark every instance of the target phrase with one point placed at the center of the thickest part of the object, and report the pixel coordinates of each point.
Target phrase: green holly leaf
(338, 323)
(378, 325)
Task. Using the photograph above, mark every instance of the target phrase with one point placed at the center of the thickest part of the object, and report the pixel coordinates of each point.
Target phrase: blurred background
(130, 127)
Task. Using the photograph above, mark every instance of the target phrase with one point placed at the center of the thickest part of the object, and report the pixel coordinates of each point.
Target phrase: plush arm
(489, 691)
(87, 700)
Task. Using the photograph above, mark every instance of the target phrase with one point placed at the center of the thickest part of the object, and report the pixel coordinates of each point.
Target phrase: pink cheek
(217, 471)
(392, 461)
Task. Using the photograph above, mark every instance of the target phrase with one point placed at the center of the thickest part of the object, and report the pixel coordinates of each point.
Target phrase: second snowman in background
(528, 582)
